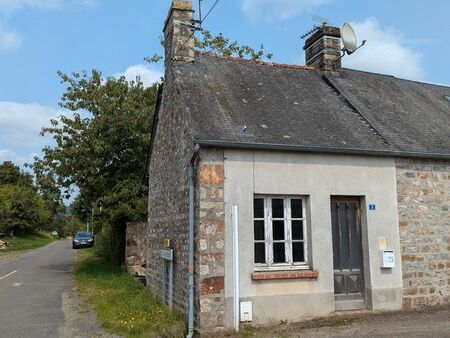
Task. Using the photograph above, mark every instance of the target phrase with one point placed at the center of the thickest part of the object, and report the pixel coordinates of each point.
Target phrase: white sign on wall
(167, 254)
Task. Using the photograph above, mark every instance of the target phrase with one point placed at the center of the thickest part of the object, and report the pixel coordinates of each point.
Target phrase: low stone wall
(424, 220)
(136, 249)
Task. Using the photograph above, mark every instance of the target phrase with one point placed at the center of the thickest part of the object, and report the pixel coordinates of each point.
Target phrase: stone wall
(136, 249)
(210, 241)
(424, 220)
(172, 150)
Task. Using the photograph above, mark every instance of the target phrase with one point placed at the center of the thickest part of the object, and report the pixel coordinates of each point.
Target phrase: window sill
(305, 274)
(282, 267)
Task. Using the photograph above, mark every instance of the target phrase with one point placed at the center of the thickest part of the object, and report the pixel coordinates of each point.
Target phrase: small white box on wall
(246, 311)
(387, 258)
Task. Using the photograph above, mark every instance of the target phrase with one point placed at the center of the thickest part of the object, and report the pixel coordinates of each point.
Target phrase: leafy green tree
(101, 149)
(11, 174)
(47, 186)
(220, 45)
(22, 210)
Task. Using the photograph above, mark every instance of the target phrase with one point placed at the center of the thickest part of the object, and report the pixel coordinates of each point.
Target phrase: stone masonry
(323, 50)
(136, 249)
(170, 155)
(210, 239)
(424, 220)
(168, 195)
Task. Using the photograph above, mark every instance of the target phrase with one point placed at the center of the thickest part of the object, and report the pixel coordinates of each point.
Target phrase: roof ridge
(264, 63)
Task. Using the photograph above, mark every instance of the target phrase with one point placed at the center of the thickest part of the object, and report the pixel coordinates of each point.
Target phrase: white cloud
(11, 6)
(147, 73)
(20, 124)
(269, 10)
(385, 52)
(9, 40)
(10, 155)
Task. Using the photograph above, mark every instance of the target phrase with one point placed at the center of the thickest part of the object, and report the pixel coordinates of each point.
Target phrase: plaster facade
(318, 178)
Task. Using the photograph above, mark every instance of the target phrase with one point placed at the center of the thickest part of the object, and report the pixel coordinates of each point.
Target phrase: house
(336, 180)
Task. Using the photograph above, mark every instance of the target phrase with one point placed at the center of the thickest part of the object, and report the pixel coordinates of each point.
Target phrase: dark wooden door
(347, 249)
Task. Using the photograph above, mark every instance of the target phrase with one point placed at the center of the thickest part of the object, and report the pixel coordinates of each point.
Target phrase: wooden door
(347, 249)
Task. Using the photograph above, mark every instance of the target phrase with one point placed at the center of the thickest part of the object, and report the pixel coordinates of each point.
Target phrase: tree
(22, 210)
(101, 149)
(220, 45)
(11, 174)
(46, 184)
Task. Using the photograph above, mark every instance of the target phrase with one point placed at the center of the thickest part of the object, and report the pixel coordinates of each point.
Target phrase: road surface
(31, 289)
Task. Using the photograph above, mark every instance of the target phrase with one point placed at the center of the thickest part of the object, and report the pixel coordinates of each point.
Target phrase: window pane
(298, 253)
(296, 208)
(259, 230)
(279, 255)
(277, 208)
(260, 253)
(278, 230)
(297, 230)
(258, 208)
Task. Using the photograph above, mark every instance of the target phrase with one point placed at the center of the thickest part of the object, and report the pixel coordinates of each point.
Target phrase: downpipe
(191, 285)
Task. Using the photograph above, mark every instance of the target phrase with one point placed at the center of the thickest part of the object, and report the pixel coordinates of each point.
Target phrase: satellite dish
(348, 38)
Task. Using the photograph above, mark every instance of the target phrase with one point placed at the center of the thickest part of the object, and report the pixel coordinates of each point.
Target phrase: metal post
(191, 285)
(234, 215)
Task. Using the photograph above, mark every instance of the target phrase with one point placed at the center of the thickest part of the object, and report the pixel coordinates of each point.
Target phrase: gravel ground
(79, 319)
(433, 322)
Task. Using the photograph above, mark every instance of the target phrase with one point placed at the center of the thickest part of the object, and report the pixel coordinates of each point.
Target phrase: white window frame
(268, 234)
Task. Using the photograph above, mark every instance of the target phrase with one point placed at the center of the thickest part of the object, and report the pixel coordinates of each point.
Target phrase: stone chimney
(178, 37)
(323, 49)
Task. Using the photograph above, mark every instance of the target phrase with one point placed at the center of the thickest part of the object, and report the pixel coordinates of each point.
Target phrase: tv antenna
(319, 22)
(349, 40)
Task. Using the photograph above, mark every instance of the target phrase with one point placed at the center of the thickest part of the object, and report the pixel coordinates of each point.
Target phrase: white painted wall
(319, 177)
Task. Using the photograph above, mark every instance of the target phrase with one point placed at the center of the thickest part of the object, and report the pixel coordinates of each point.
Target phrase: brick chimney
(178, 37)
(323, 49)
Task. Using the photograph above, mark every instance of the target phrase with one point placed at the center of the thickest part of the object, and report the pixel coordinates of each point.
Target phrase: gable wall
(168, 193)
(424, 219)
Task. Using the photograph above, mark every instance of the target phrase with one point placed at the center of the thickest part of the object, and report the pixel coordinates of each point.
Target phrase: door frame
(351, 303)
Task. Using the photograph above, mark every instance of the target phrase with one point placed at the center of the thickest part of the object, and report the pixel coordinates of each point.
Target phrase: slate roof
(237, 102)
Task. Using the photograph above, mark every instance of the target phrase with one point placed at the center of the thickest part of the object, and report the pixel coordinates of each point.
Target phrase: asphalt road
(31, 289)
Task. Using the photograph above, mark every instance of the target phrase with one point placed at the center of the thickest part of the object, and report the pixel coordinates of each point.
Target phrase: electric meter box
(246, 312)
(387, 258)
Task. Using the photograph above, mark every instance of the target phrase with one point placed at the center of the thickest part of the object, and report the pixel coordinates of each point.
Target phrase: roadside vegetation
(26, 242)
(122, 304)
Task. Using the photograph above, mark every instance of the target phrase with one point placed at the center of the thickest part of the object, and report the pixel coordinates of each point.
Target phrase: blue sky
(409, 39)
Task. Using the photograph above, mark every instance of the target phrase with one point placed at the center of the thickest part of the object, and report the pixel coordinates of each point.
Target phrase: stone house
(287, 192)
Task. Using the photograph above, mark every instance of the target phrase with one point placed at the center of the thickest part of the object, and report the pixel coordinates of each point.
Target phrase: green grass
(27, 242)
(122, 305)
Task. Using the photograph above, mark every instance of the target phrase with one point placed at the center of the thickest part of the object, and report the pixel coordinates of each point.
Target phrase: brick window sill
(308, 274)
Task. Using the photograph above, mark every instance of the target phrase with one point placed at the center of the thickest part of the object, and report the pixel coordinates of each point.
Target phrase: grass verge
(27, 242)
(122, 305)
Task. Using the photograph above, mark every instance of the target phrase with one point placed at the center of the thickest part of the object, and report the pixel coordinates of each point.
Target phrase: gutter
(319, 149)
(191, 285)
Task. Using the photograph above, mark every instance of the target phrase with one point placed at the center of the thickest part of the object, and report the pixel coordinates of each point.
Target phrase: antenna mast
(319, 22)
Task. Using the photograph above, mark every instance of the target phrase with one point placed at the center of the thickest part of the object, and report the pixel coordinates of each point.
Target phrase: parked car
(83, 240)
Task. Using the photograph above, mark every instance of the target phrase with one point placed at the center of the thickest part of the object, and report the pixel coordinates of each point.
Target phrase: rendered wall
(319, 177)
